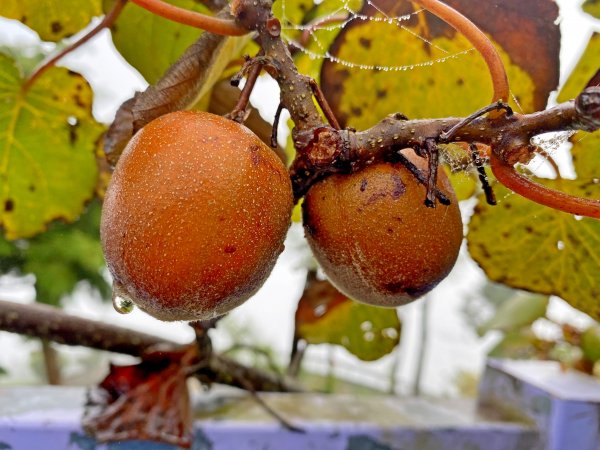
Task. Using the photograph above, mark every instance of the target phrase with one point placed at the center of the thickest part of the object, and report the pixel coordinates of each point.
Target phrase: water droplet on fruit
(121, 305)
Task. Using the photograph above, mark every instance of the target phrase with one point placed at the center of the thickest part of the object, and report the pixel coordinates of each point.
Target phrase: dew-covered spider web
(342, 14)
(311, 32)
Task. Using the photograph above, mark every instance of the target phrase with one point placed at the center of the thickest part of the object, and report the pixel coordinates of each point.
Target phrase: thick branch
(46, 322)
(509, 136)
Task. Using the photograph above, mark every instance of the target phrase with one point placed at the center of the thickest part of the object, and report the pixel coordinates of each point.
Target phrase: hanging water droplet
(121, 305)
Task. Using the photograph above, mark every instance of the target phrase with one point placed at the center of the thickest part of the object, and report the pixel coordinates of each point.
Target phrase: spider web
(341, 15)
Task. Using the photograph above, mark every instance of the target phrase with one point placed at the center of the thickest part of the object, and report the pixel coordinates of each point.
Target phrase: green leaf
(528, 246)
(151, 43)
(53, 20)
(590, 343)
(592, 7)
(325, 316)
(586, 68)
(518, 344)
(457, 82)
(62, 256)
(47, 143)
(517, 312)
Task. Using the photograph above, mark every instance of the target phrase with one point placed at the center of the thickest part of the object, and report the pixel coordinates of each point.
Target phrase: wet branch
(52, 324)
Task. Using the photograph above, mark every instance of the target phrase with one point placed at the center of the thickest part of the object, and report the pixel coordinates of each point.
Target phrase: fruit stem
(225, 27)
(106, 22)
(478, 39)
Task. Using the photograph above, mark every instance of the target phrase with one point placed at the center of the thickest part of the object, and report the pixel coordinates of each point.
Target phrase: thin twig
(449, 135)
(550, 160)
(421, 177)
(214, 25)
(322, 101)
(276, 125)
(433, 162)
(239, 111)
(479, 40)
(106, 22)
(543, 195)
(282, 420)
(490, 197)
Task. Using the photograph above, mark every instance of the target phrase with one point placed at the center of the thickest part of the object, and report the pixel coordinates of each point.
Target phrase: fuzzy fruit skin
(195, 216)
(374, 237)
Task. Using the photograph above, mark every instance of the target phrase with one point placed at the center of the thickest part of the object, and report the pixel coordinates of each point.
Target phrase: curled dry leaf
(145, 401)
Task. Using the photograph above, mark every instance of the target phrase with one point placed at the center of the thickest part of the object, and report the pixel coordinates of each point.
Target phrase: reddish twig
(214, 25)
(106, 22)
(509, 177)
(479, 40)
(322, 101)
(239, 111)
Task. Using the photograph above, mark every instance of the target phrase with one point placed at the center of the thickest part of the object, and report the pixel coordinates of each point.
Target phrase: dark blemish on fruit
(363, 185)
(390, 231)
(31, 188)
(254, 155)
(460, 82)
(24, 19)
(56, 27)
(399, 187)
(376, 196)
(381, 93)
(529, 229)
(230, 249)
(9, 205)
(365, 43)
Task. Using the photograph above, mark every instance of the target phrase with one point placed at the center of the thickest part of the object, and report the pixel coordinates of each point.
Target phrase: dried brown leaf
(145, 401)
(188, 80)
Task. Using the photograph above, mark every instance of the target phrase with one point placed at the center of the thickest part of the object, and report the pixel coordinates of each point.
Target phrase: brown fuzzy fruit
(195, 216)
(374, 237)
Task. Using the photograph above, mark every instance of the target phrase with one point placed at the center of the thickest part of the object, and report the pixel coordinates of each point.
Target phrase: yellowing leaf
(53, 20)
(151, 43)
(586, 68)
(426, 69)
(47, 142)
(592, 7)
(586, 156)
(529, 246)
(325, 316)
